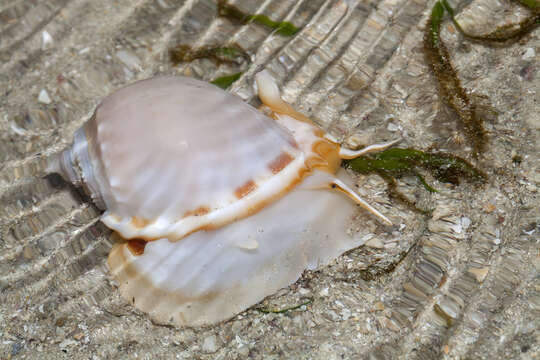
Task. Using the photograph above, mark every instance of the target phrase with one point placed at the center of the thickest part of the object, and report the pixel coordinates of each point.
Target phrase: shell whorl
(79, 164)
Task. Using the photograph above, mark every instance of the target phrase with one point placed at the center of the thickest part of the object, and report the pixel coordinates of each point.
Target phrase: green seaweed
(284, 310)
(225, 81)
(284, 28)
(433, 27)
(393, 163)
(219, 54)
(396, 161)
(228, 54)
(450, 89)
(532, 4)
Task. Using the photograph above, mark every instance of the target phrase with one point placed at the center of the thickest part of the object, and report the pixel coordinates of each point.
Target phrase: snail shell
(220, 205)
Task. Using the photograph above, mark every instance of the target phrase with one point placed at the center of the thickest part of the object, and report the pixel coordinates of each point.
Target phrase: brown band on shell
(201, 210)
(140, 223)
(136, 246)
(280, 162)
(302, 173)
(245, 189)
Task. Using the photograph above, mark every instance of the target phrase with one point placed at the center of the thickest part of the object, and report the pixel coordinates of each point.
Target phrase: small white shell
(221, 204)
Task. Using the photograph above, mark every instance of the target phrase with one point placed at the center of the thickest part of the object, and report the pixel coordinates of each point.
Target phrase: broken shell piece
(220, 204)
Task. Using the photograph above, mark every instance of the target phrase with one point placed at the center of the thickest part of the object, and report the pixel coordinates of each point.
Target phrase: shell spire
(77, 165)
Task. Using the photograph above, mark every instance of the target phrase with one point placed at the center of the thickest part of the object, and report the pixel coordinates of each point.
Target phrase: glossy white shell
(232, 204)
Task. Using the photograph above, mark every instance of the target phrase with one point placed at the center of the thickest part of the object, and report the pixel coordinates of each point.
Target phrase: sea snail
(219, 204)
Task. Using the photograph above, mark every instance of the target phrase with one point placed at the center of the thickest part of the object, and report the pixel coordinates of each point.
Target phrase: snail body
(219, 204)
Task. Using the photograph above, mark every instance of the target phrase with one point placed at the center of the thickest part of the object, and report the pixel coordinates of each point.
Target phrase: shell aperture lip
(210, 276)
